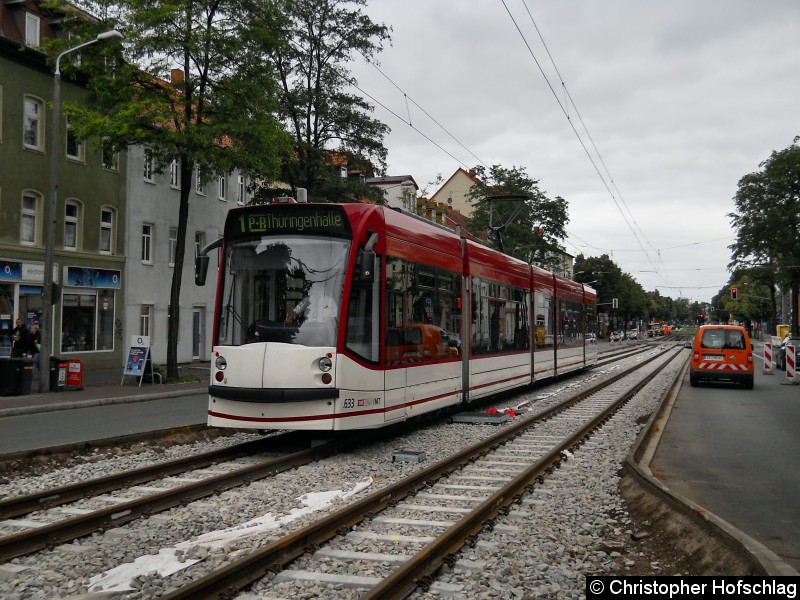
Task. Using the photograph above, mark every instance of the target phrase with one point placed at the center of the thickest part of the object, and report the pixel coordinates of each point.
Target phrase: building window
(173, 245)
(71, 223)
(199, 242)
(198, 184)
(27, 222)
(175, 175)
(148, 166)
(146, 320)
(242, 191)
(74, 146)
(222, 184)
(87, 321)
(32, 29)
(110, 156)
(147, 243)
(106, 230)
(32, 123)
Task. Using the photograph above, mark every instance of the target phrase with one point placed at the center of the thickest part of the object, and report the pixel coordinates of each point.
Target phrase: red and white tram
(350, 316)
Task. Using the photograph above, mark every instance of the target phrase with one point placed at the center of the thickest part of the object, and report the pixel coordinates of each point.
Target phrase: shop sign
(93, 278)
(14, 270)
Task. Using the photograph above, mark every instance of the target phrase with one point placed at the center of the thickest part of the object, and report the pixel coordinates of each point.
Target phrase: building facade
(116, 219)
(152, 226)
(88, 245)
(400, 191)
(454, 193)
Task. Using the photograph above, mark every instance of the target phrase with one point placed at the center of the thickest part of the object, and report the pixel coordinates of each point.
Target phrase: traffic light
(733, 293)
(615, 303)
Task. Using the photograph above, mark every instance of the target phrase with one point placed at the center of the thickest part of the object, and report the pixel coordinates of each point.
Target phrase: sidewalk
(102, 386)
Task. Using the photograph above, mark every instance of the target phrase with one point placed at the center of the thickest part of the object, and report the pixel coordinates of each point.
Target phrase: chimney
(176, 76)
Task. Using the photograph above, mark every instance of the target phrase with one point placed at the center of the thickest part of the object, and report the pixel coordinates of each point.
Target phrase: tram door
(395, 359)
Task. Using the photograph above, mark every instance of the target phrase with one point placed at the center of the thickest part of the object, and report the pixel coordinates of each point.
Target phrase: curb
(41, 408)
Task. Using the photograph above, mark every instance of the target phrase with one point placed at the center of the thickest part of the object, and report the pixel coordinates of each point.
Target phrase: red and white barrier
(791, 365)
(768, 358)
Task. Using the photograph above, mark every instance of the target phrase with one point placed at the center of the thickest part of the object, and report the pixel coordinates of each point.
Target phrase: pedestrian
(22, 339)
(36, 340)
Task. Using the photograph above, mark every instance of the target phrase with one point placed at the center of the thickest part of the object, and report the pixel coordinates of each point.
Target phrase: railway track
(14, 507)
(145, 491)
(467, 491)
(52, 535)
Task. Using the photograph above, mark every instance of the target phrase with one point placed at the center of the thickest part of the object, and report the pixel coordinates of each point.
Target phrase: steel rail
(417, 570)
(226, 581)
(23, 505)
(72, 528)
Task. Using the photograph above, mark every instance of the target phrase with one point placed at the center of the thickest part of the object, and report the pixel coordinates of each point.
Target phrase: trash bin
(25, 376)
(8, 376)
(74, 374)
(58, 374)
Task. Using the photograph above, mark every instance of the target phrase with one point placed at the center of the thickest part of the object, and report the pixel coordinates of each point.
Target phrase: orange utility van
(722, 353)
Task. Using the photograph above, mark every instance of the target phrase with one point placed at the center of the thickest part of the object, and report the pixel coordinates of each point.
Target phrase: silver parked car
(780, 351)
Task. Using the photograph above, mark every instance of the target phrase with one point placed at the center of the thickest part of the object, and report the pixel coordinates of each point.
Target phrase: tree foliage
(767, 224)
(320, 38)
(218, 116)
(536, 232)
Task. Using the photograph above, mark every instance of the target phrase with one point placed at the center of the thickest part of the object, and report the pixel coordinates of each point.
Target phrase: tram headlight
(221, 363)
(325, 364)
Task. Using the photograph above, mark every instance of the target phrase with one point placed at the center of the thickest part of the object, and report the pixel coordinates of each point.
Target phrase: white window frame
(221, 191)
(173, 245)
(79, 146)
(109, 157)
(72, 224)
(32, 215)
(242, 190)
(33, 118)
(33, 30)
(199, 188)
(147, 243)
(146, 320)
(175, 175)
(106, 226)
(199, 242)
(147, 166)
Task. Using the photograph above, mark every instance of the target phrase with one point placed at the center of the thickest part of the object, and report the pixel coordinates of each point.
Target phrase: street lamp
(46, 329)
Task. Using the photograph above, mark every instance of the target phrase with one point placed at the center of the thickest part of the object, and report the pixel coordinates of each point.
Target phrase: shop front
(88, 304)
(20, 296)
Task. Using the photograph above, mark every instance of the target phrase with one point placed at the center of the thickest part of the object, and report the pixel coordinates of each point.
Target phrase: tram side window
(363, 315)
(590, 317)
(499, 318)
(423, 313)
(543, 311)
(571, 332)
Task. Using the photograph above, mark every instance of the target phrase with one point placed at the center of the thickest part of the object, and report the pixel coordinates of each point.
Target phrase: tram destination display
(313, 219)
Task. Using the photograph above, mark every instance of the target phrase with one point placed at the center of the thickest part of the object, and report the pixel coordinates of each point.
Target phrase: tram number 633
(352, 402)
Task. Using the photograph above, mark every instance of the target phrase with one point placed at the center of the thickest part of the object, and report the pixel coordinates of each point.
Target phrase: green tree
(766, 221)
(608, 279)
(321, 38)
(534, 234)
(218, 116)
(753, 300)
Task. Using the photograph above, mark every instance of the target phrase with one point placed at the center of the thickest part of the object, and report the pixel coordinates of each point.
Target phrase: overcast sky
(681, 99)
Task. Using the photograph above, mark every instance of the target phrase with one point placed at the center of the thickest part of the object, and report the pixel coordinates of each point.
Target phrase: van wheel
(692, 380)
(748, 383)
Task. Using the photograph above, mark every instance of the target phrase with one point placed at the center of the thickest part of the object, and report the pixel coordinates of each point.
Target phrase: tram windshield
(282, 289)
